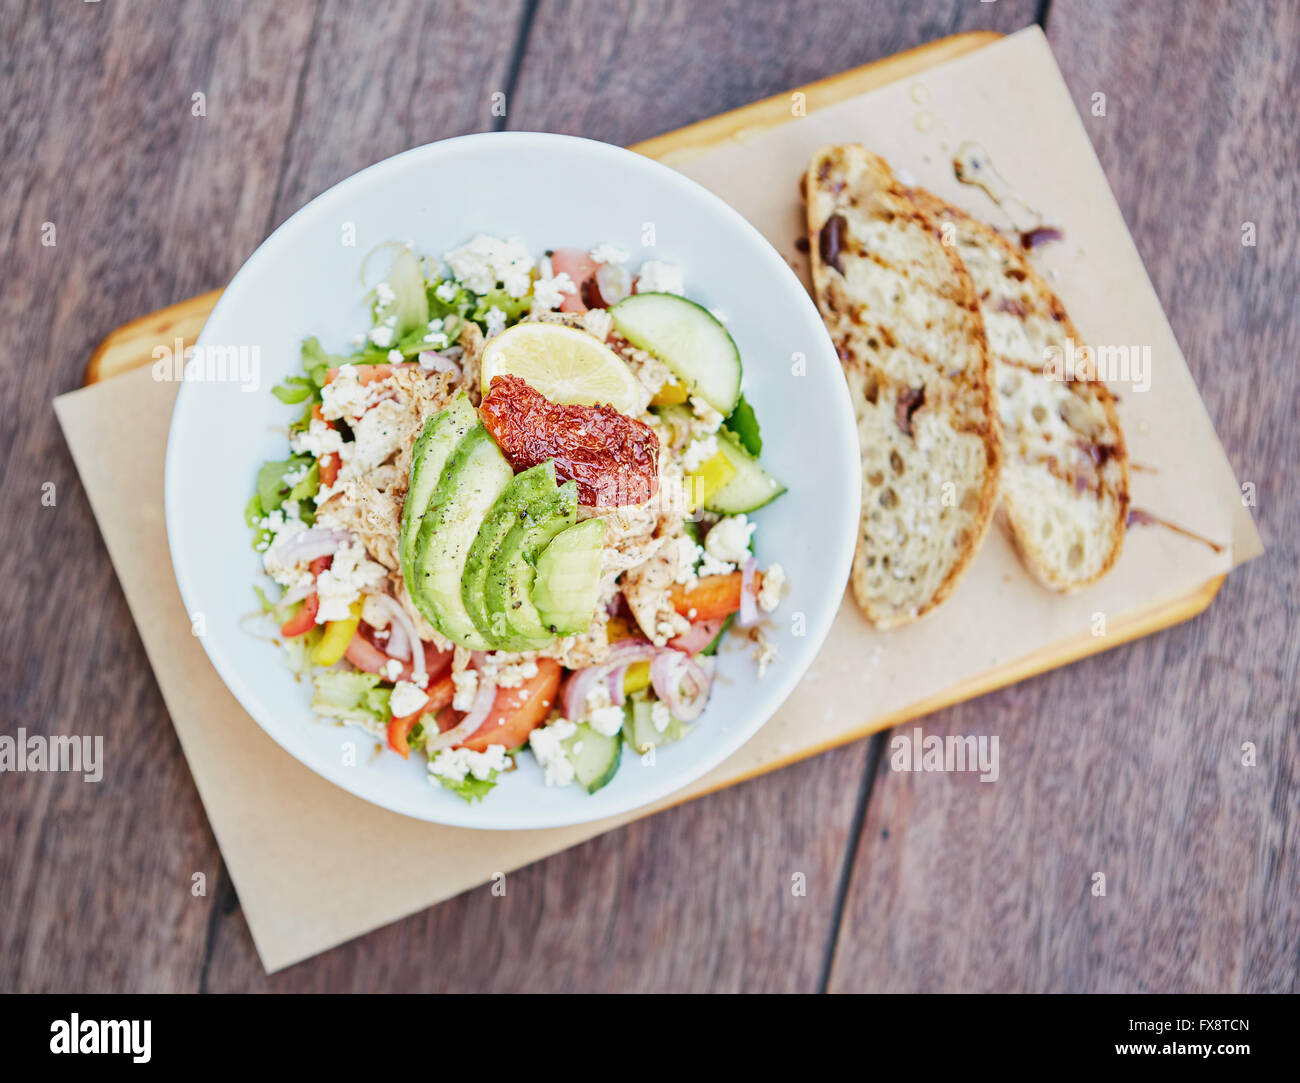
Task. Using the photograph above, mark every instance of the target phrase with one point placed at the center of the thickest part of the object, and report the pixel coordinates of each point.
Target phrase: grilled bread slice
(1065, 484)
(905, 321)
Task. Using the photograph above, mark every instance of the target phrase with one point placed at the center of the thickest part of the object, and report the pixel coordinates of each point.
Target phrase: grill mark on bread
(908, 330)
(1065, 471)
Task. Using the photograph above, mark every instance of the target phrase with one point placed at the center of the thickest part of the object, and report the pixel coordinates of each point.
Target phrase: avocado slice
(513, 567)
(568, 578)
(438, 439)
(475, 474)
(533, 487)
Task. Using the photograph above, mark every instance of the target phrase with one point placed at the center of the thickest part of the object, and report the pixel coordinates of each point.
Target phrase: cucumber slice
(594, 756)
(749, 488)
(640, 731)
(686, 338)
(475, 475)
(568, 578)
(437, 441)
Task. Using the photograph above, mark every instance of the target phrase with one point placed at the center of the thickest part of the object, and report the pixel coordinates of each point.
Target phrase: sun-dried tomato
(614, 459)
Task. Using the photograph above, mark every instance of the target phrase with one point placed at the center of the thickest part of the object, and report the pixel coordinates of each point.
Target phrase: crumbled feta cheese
(496, 321)
(317, 439)
(396, 356)
(769, 594)
(608, 253)
(707, 419)
(382, 336)
(688, 555)
(446, 291)
(292, 477)
(507, 670)
(548, 293)
(376, 437)
(384, 294)
(484, 261)
(406, 699)
(341, 584)
(455, 764)
(344, 396)
(764, 655)
(729, 539)
(283, 526)
(465, 683)
(698, 452)
(606, 720)
(392, 669)
(711, 565)
(657, 277)
(660, 716)
(547, 744)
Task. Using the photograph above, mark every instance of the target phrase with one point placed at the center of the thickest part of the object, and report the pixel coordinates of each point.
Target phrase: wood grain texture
(146, 202)
(626, 71)
(1126, 763)
(1130, 764)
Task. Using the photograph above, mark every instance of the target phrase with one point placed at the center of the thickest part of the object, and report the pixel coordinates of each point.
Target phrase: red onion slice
(366, 656)
(432, 361)
(399, 643)
(401, 619)
(615, 680)
(307, 545)
(614, 282)
(578, 687)
(748, 615)
(467, 726)
(681, 683)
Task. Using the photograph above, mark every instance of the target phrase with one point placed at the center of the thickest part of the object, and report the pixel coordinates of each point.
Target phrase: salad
(513, 516)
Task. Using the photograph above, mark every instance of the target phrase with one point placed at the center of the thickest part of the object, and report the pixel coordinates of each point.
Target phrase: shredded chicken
(471, 361)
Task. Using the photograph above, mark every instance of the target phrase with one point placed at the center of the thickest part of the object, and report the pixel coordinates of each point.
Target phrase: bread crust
(903, 314)
(1081, 491)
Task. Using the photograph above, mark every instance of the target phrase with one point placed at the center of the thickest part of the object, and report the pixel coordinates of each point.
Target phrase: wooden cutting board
(131, 346)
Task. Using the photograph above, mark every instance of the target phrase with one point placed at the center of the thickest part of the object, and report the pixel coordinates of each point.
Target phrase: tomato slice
(399, 729)
(369, 374)
(713, 596)
(581, 268)
(702, 633)
(516, 712)
(303, 619)
(363, 653)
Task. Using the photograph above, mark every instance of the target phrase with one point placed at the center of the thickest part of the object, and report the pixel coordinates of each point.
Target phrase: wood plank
(147, 202)
(1130, 764)
(700, 897)
(627, 71)
(150, 202)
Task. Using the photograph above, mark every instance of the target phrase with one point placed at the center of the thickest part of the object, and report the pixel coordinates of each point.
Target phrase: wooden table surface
(1128, 763)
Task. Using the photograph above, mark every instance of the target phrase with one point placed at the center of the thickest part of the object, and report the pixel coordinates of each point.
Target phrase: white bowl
(550, 191)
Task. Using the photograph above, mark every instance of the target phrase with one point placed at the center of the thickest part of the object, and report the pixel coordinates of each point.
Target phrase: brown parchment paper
(302, 853)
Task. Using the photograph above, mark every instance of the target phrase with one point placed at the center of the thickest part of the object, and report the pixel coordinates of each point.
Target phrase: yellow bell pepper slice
(712, 475)
(338, 634)
(670, 395)
(636, 678)
(617, 628)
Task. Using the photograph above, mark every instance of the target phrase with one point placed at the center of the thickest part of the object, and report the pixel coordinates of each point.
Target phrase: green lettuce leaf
(351, 697)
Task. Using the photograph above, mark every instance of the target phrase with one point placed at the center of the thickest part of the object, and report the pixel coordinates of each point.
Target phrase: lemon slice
(566, 365)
